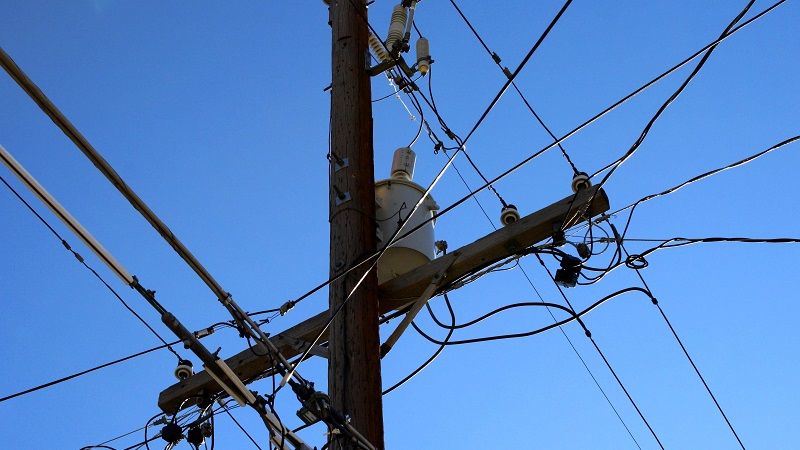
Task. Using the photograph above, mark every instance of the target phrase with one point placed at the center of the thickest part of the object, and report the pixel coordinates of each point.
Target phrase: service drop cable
(614, 166)
(671, 190)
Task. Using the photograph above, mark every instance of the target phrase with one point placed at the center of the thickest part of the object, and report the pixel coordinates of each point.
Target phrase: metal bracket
(417, 305)
(345, 162)
(342, 198)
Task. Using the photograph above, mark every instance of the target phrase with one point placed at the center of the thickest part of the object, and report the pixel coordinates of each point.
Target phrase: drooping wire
(83, 262)
(436, 353)
(573, 316)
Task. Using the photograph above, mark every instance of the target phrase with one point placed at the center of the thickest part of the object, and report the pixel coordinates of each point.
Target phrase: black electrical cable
(574, 316)
(83, 262)
(633, 206)
(519, 69)
(225, 408)
(614, 373)
(603, 356)
(61, 380)
(497, 60)
(637, 260)
(436, 353)
(686, 353)
(673, 97)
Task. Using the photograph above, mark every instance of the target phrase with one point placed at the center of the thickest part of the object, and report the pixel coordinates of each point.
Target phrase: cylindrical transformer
(395, 199)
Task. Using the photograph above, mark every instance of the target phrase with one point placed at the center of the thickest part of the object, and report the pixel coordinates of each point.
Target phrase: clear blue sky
(215, 114)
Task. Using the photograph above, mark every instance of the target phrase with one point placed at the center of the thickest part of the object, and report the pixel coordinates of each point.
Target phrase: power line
(102, 366)
(671, 190)
(603, 356)
(83, 262)
(615, 165)
(505, 71)
(686, 352)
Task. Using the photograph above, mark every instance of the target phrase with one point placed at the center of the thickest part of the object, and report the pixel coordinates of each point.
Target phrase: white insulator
(377, 48)
(403, 164)
(423, 55)
(580, 181)
(509, 215)
(397, 27)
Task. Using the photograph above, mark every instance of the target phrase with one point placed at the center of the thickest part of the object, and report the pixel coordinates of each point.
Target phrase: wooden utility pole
(354, 372)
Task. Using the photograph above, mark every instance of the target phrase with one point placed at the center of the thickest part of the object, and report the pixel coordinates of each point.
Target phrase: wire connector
(567, 275)
(286, 307)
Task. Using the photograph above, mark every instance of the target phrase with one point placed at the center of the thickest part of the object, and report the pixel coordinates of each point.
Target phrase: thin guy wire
(608, 364)
(686, 352)
(225, 408)
(597, 383)
(82, 261)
